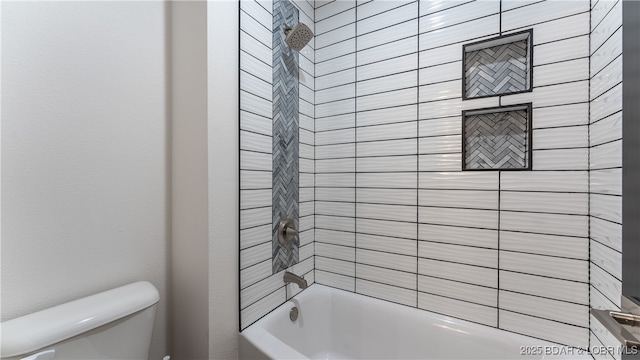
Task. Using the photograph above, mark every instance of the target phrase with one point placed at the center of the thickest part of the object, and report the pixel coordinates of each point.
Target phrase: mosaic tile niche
(497, 138)
(497, 66)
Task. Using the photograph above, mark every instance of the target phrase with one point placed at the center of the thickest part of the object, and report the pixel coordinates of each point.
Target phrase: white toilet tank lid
(50, 326)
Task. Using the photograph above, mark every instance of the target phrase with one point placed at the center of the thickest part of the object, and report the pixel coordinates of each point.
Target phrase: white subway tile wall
(605, 140)
(394, 217)
(260, 290)
(405, 224)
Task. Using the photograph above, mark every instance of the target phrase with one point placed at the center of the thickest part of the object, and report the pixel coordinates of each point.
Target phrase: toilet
(115, 324)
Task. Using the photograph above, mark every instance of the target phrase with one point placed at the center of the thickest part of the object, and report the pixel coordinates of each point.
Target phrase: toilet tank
(115, 324)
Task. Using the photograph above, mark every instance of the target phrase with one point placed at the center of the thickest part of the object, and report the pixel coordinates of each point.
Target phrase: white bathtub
(335, 324)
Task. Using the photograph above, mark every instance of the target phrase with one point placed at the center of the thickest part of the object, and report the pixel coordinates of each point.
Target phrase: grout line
(418, 169)
(355, 162)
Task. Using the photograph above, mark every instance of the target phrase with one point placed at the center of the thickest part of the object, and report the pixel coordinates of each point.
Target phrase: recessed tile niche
(497, 66)
(497, 138)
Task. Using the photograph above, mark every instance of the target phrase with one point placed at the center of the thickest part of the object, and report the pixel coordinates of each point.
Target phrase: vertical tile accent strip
(285, 133)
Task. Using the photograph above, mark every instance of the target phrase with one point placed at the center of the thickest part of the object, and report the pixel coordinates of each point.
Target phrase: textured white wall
(84, 148)
(223, 177)
(189, 261)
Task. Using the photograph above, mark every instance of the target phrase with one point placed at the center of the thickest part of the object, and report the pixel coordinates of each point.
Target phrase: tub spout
(293, 278)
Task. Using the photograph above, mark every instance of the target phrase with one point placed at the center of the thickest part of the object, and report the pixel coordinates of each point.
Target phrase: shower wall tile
(439, 73)
(563, 50)
(545, 287)
(261, 291)
(387, 164)
(336, 35)
(255, 311)
(463, 32)
(607, 78)
(563, 159)
(251, 26)
(458, 235)
(540, 328)
(386, 35)
(387, 67)
(607, 104)
(459, 199)
(606, 284)
(607, 259)
(456, 290)
(482, 276)
(336, 93)
(335, 237)
(565, 71)
(458, 14)
(335, 280)
(387, 83)
(611, 49)
(394, 16)
(334, 137)
(602, 337)
(561, 138)
(606, 130)
(456, 253)
(540, 13)
(401, 279)
(255, 161)
(555, 203)
(335, 79)
(255, 235)
(567, 269)
(332, 9)
(551, 181)
(386, 244)
(561, 28)
(386, 292)
(387, 148)
(388, 115)
(395, 218)
(543, 244)
(607, 233)
(334, 122)
(255, 123)
(486, 315)
(606, 156)
(386, 132)
(460, 180)
(255, 198)
(563, 115)
(606, 27)
(387, 51)
(485, 219)
(429, 7)
(554, 224)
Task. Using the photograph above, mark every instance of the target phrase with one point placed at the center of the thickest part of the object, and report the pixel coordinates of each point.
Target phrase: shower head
(298, 36)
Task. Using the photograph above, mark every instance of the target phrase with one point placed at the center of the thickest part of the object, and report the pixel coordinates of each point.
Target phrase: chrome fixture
(287, 233)
(293, 314)
(293, 278)
(624, 324)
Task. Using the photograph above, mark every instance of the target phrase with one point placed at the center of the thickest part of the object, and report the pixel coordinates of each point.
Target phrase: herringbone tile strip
(496, 70)
(285, 133)
(496, 140)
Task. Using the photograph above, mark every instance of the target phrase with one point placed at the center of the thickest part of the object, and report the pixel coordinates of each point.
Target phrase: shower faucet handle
(287, 233)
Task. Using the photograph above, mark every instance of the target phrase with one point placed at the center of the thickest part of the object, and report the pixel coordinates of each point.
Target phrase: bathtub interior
(334, 324)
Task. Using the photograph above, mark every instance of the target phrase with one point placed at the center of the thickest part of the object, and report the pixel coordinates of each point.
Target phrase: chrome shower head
(298, 36)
